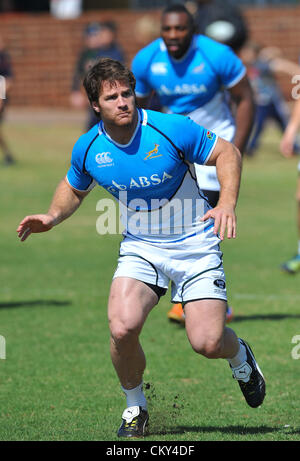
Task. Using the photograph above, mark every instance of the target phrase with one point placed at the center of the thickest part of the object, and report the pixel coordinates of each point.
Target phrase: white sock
(239, 358)
(135, 397)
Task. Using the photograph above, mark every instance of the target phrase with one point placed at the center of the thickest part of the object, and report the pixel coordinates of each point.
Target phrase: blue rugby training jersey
(190, 82)
(150, 175)
(193, 85)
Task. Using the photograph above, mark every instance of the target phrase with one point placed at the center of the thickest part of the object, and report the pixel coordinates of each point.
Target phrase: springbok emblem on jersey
(150, 154)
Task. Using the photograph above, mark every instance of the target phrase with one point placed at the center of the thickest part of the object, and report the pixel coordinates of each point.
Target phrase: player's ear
(96, 107)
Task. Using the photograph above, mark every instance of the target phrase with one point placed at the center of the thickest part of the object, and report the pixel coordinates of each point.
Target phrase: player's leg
(213, 198)
(8, 157)
(206, 331)
(205, 327)
(292, 266)
(261, 115)
(280, 113)
(130, 302)
(176, 313)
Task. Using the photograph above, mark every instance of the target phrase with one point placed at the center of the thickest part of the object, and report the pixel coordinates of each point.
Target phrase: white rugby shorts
(193, 265)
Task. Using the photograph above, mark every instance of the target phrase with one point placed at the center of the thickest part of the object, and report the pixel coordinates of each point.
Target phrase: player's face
(177, 33)
(116, 104)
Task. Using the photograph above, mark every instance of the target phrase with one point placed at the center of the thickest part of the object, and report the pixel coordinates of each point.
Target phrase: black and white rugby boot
(134, 422)
(250, 379)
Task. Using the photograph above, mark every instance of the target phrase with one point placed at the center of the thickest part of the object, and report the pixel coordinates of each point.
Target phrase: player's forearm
(285, 66)
(294, 122)
(244, 121)
(64, 203)
(229, 168)
(292, 128)
(291, 131)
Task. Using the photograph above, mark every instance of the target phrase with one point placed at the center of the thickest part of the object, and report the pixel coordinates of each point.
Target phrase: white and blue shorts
(193, 265)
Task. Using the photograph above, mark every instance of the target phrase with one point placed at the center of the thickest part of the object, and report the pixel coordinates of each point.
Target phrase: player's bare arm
(242, 96)
(289, 136)
(65, 202)
(228, 161)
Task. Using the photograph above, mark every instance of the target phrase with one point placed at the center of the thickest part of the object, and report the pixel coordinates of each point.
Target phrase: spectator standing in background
(6, 80)
(99, 42)
(287, 149)
(147, 29)
(262, 65)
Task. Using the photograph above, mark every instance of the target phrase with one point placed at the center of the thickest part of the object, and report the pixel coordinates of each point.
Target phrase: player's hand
(287, 145)
(34, 224)
(225, 218)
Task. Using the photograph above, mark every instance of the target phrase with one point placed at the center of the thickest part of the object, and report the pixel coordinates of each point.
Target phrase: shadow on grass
(237, 430)
(37, 302)
(241, 318)
(293, 432)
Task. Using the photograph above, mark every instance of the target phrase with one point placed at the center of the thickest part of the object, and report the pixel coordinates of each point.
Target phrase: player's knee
(122, 332)
(209, 348)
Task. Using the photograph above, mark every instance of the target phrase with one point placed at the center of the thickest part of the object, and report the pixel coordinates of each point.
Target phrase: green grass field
(57, 381)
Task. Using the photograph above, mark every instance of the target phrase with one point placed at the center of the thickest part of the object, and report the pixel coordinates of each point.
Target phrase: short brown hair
(106, 70)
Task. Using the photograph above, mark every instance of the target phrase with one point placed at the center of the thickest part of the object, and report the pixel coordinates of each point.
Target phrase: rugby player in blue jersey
(145, 159)
(190, 74)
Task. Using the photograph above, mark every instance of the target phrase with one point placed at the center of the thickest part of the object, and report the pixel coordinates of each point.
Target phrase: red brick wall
(44, 49)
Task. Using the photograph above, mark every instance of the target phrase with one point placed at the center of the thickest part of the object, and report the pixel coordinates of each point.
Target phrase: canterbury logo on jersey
(104, 159)
(141, 181)
(159, 68)
(152, 153)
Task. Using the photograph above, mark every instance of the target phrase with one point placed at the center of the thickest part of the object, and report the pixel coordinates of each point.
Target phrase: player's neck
(122, 134)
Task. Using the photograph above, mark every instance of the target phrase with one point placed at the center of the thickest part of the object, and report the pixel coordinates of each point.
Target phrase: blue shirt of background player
(151, 166)
(190, 82)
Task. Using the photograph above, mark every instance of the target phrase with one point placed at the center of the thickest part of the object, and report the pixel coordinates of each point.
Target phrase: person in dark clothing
(5, 84)
(100, 42)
